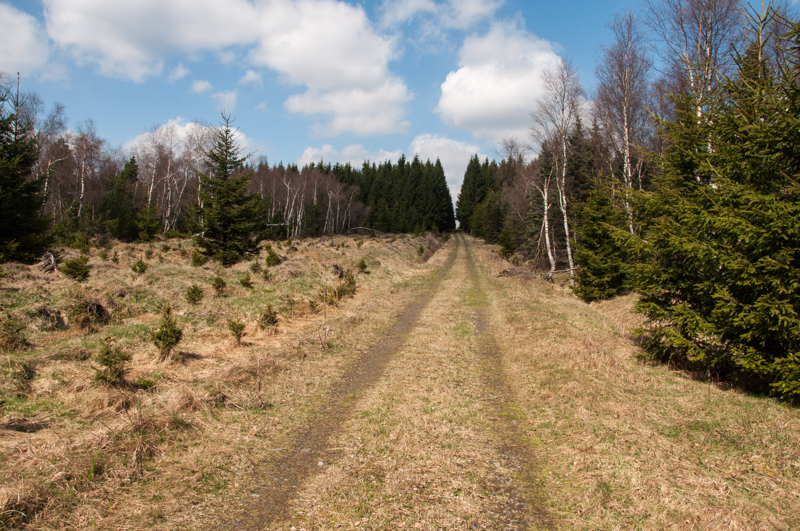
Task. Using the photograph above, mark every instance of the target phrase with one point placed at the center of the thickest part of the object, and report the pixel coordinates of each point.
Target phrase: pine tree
(231, 218)
(23, 230)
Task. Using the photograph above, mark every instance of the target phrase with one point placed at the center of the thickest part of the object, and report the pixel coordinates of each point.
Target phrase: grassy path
(425, 441)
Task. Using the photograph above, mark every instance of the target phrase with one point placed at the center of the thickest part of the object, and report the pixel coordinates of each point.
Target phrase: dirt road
(421, 432)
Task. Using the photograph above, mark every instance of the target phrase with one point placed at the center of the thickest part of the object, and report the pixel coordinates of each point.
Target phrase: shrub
(347, 288)
(194, 294)
(113, 359)
(313, 306)
(165, 248)
(272, 258)
(103, 254)
(198, 258)
(236, 327)
(167, 336)
(115, 257)
(421, 250)
(149, 252)
(139, 267)
(268, 319)
(245, 281)
(218, 283)
(362, 266)
(266, 275)
(77, 268)
(255, 267)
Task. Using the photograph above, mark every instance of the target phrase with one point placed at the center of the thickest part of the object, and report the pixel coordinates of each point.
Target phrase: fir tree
(23, 230)
(230, 217)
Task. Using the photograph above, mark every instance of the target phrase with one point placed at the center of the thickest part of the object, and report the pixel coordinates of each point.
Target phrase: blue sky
(309, 79)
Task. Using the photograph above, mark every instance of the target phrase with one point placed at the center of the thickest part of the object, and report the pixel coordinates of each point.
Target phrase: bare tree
(623, 76)
(695, 41)
(87, 148)
(554, 120)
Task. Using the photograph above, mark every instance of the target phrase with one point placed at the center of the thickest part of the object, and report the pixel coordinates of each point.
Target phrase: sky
(306, 80)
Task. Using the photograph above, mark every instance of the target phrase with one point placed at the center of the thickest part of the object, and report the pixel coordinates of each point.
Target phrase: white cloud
(498, 83)
(251, 79)
(459, 14)
(226, 100)
(453, 154)
(262, 106)
(328, 46)
(179, 72)
(130, 39)
(23, 44)
(200, 86)
(363, 112)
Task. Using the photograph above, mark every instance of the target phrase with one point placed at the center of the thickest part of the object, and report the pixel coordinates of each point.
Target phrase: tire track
(286, 474)
(525, 499)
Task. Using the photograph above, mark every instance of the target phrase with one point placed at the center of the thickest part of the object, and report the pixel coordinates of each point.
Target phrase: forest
(676, 179)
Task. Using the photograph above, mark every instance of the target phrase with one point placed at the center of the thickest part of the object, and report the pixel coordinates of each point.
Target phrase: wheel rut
(523, 504)
(283, 476)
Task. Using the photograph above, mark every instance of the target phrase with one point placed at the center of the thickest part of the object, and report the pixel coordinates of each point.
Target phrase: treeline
(684, 188)
(403, 197)
(71, 186)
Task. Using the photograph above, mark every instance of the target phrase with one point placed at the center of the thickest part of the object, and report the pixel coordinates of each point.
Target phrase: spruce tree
(722, 287)
(122, 215)
(23, 230)
(230, 217)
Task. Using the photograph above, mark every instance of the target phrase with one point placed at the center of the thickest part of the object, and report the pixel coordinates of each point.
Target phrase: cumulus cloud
(226, 100)
(357, 110)
(498, 83)
(179, 72)
(200, 86)
(23, 44)
(251, 79)
(453, 154)
(130, 39)
(328, 46)
(179, 130)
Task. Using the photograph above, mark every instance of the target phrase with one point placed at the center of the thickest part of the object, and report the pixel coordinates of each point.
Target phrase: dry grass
(418, 453)
(625, 445)
(181, 439)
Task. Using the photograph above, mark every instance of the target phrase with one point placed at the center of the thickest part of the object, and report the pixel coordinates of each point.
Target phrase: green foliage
(168, 334)
(198, 258)
(85, 311)
(231, 218)
(236, 328)
(346, 288)
(402, 196)
(272, 257)
(603, 270)
(268, 319)
(218, 283)
(255, 267)
(266, 275)
(103, 254)
(148, 253)
(121, 213)
(421, 250)
(721, 288)
(139, 267)
(115, 257)
(362, 266)
(77, 268)
(246, 282)
(24, 234)
(194, 294)
(113, 360)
